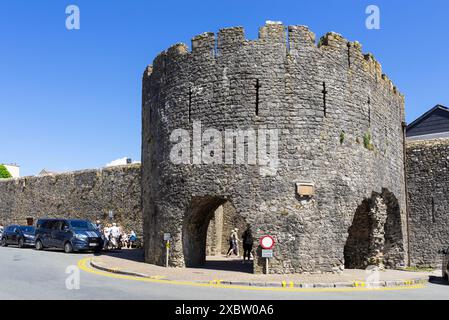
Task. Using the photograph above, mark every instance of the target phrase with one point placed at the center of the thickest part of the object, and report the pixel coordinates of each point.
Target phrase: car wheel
(4, 244)
(21, 243)
(98, 250)
(39, 245)
(68, 248)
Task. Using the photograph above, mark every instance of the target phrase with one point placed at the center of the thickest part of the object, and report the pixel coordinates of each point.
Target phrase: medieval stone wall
(339, 122)
(428, 190)
(88, 194)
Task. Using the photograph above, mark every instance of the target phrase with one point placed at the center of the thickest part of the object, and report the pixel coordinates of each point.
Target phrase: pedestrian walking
(115, 236)
(248, 242)
(233, 243)
(107, 235)
(236, 242)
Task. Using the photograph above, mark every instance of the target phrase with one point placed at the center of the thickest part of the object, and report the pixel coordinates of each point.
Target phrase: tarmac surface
(30, 274)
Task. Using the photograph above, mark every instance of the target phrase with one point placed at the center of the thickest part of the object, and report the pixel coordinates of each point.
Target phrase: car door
(60, 234)
(14, 235)
(45, 234)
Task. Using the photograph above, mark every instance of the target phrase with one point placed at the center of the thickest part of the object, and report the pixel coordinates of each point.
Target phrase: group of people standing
(115, 237)
(247, 242)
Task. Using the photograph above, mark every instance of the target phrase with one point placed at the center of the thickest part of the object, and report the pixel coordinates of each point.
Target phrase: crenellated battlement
(275, 37)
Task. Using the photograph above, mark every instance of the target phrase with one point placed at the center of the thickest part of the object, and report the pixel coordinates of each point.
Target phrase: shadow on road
(212, 263)
(237, 265)
(136, 255)
(438, 280)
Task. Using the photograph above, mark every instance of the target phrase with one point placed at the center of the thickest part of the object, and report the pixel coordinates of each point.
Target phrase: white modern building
(121, 162)
(13, 169)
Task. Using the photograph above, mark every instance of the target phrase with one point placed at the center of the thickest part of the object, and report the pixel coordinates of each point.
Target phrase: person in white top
(115, 231)
(107, 231)
(115, 236)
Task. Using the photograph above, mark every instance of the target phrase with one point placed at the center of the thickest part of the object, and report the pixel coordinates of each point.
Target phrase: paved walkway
(232, 271)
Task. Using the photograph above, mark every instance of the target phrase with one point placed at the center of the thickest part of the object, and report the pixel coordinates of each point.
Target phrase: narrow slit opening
(190, 105)
(258, 86)
(369, 111)
(324, 92)
(433, 209)
(349, 54)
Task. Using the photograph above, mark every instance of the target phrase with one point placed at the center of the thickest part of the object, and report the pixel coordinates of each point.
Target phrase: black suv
(21, 236)
(70, 235)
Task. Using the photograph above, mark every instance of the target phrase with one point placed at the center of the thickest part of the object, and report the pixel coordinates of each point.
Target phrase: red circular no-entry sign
(267, 242)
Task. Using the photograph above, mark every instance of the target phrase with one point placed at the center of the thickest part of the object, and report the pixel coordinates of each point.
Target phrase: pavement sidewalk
(231, 271)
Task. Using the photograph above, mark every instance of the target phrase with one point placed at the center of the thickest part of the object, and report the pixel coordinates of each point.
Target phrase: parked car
(446, 264)
(22, 236)
(70, 235)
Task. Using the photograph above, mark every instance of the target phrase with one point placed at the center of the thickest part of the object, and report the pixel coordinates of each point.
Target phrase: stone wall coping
(77, 172)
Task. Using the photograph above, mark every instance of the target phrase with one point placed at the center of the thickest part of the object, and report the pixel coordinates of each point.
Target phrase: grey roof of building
(433, 122)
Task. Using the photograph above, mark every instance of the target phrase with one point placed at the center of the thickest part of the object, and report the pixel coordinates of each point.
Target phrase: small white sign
(167, 236)
(267, 253)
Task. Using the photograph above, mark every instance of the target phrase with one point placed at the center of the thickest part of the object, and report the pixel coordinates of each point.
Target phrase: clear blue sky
(71, 99)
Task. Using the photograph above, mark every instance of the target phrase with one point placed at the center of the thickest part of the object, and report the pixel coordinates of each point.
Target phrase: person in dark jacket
(247, 244)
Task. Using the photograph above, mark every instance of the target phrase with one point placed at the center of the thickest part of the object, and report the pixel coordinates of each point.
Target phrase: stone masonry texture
(88, 194)
(428, 189)
(340, 127)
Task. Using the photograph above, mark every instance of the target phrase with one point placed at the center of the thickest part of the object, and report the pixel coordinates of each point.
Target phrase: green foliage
(342, 137)
(367, 141)
(419, 269)
(4, 173)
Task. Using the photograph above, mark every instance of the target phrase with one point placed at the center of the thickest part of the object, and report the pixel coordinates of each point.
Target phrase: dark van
(70, 235)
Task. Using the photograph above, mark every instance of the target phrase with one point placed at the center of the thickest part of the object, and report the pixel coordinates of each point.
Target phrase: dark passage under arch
(200, 236)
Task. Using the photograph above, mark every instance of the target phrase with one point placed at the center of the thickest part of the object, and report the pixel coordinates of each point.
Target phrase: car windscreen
(27, 229)
(82, 225)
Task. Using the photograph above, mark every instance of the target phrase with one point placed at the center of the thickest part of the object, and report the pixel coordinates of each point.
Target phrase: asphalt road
(29, 274)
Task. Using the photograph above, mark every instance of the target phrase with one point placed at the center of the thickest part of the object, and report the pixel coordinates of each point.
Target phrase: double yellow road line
(84, 264)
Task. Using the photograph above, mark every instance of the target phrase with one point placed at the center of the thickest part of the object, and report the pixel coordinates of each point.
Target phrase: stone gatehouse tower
(335, 196)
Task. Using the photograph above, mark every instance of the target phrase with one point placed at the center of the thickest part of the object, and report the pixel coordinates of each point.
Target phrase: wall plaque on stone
(305, 189)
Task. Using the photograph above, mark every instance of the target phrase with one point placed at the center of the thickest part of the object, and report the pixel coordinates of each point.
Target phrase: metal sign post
(267, 254)
(266, 266)
(267, 244)
(167, 238)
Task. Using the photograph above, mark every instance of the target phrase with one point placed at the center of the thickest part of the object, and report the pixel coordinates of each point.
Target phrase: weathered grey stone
(340, 128)
(428, 189)
(88, 194)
